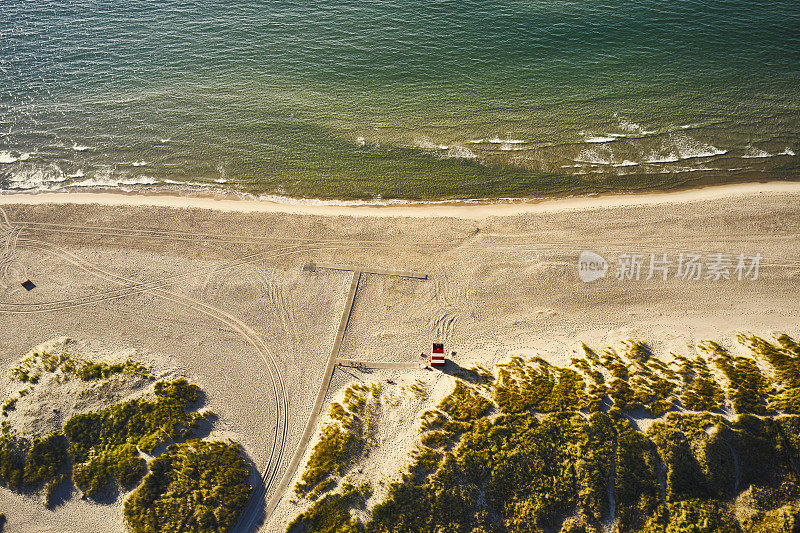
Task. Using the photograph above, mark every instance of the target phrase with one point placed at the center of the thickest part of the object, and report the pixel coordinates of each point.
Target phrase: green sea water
(400, 100)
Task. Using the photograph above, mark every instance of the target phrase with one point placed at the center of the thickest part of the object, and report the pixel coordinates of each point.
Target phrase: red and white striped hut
(437, 356)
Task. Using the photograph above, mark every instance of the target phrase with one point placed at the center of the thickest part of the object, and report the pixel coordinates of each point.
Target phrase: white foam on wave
(680, 147)
(630, 129)
(459, 152)
(599, 139)
(166, 140)
(751, 152)
(655, 158)
(140, 163)
(691, 126)
(504, 144)
(426, 144)
(7, 157)
(689, 148)
(625, 163)
(360, 141)
(77, 174)
(755, 153)
(595, 157)
(80, 148)
(139, 180)
(220, 180)
(689, 169)
(36, 178)
(633, 127)
(498, 140)
(105, 179)
(202, 184)
(95, 182)
(703, 153)
(509, 147)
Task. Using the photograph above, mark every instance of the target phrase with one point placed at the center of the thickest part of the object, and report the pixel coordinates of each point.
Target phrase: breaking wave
(756, 153)
(105, 180)
(7, 158)
(460, 152)
(681, 147)
(497, 140)
(427, 144)
(634, 128)
(599, 139)
(654, 158)
(36, 178)
(596, 157)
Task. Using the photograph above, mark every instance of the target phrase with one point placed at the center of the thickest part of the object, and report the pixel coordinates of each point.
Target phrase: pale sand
(497, 286)
(456, 209)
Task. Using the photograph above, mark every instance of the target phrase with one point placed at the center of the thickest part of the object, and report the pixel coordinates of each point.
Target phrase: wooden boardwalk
(395, 273)
(381, 365)
(333, 359)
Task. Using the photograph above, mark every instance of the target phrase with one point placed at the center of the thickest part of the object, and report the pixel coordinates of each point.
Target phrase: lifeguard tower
(437, 355)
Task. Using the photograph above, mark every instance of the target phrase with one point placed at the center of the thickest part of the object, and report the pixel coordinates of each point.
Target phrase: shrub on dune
(196, 486)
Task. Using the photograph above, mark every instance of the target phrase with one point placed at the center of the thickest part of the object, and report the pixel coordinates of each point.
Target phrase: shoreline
(463, 209)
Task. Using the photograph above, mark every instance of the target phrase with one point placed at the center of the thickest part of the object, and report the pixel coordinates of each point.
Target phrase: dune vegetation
(30, 369)
(533, 447)
(27, 464)
(104, 445)
(344, 438)
(194, 486)
(190, 485)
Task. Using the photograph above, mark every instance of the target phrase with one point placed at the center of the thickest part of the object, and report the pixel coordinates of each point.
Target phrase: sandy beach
(471, 209)
(220, 289)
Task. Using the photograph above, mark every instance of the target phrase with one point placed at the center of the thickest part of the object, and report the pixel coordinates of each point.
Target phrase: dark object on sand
(28, 285)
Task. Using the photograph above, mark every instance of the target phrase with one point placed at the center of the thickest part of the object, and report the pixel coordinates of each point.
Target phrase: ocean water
(397, 99)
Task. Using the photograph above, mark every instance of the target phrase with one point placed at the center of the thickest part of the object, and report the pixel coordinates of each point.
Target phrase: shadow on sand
(253, 514)
(451, 368)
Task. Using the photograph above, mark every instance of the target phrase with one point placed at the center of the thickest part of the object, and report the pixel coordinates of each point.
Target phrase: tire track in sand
(252, 512)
